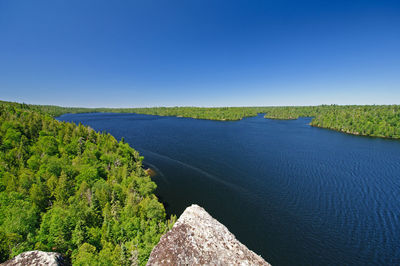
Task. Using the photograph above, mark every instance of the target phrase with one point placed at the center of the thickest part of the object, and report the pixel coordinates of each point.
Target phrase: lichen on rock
(198, 239)
(37, 258)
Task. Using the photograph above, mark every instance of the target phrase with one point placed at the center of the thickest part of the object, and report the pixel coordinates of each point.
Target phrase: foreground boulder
(36, 258)
(198, 239)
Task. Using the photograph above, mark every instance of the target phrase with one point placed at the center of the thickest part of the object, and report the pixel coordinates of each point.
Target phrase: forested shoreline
(367, 120)
(68, 189)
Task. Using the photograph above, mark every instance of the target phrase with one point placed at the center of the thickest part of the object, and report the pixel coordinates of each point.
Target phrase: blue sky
(199, 52)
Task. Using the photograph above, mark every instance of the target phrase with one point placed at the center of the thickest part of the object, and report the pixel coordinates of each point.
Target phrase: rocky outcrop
(198, 239)
(195, 239)
(36, 258)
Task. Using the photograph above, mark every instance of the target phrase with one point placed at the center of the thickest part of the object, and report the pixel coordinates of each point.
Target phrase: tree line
(368, 120)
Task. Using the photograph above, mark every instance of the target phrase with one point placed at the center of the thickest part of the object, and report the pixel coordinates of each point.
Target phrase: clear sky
(199, 52)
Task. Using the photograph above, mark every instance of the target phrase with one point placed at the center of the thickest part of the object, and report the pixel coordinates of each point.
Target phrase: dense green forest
(367, 120)
(69, 189)
(378, 121)
(216, 113)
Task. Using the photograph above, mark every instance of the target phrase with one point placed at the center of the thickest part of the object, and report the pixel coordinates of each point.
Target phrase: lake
(295, 194)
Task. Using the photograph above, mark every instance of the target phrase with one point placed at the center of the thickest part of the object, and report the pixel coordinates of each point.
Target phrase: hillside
(66, 188)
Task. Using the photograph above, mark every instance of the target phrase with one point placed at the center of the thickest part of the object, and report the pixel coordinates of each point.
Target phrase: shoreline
(355, 133)
(239, 119)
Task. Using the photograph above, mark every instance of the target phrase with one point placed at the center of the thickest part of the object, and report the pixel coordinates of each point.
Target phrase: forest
(215, 113)
(66, 188)
(367, 120)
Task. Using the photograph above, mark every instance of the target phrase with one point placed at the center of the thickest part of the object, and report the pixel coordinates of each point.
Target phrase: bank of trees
(294, 112)
(216, 113)
(369, 120)
(69, 189)
(378, 121)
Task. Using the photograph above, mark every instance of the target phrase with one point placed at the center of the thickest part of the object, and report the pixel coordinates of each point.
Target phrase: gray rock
(37, 258)
(198, 239)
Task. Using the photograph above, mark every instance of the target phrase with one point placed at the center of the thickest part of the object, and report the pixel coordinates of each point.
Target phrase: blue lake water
(295, 194)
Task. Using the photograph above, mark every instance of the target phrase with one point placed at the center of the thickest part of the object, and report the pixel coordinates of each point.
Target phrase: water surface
(295, 194)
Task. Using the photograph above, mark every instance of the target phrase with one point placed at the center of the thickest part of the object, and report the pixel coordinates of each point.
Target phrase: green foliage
(48, 145)
(4, 247)
(86, 255)
(367, 120)
(69, 189)
(19, 220)
(55, 229)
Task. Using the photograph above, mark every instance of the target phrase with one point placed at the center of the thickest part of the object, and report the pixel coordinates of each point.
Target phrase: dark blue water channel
(294, 194)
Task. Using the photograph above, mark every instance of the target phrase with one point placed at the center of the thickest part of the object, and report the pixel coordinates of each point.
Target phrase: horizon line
(196, 106)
